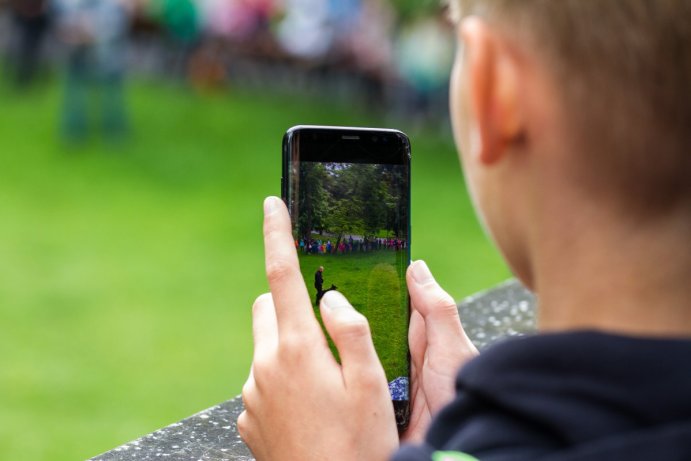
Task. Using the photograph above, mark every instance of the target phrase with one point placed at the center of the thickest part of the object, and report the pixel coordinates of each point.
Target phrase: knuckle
(372, 380)
(262, 368)
(292, 346)
(271, 226)
(247, 391)
(243, 425)
(438, 301)
(354, 329)
(444, 302)
(279, 269)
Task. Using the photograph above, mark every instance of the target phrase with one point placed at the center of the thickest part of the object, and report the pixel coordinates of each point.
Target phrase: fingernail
(421, 273)
(333, 300)
(270, 205)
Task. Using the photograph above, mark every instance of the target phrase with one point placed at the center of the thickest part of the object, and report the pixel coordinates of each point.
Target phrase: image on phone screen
(349, 205)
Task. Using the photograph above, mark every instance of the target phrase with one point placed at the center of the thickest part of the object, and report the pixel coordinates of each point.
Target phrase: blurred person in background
(343, 16)
(424, 53)
(95, 36)
(182, 22)
(31, 22)
(375, 23)
(238, 20)
(305, 31)
(231, 28)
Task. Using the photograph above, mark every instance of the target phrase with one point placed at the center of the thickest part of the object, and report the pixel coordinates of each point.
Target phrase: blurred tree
(408, 9)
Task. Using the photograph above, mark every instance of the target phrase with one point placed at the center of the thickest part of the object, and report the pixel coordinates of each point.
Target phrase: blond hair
(625, 70)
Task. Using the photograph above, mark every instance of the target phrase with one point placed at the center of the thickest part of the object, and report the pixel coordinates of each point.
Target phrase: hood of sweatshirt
(571, 396)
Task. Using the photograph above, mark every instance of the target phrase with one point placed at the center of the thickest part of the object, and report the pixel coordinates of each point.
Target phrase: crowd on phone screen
(348, 245)
(323, 44)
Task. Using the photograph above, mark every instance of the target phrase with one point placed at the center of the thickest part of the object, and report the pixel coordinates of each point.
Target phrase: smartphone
(348, 193)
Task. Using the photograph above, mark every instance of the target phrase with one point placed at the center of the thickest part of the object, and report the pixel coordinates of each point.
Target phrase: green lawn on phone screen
(373, 282)
(128, 272)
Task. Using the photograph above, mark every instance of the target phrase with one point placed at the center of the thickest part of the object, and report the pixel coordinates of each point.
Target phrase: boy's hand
(299, 402)
(438, 348)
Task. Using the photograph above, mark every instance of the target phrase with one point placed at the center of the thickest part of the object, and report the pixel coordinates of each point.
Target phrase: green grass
(374, 283)
(127, 274)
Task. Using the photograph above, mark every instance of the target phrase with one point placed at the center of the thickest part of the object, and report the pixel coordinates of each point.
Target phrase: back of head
(625, 71)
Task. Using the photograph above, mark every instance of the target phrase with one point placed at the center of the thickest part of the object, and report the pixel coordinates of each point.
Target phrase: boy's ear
(494, 103)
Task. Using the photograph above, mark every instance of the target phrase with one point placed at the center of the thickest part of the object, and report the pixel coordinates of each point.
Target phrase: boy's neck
(621, 278)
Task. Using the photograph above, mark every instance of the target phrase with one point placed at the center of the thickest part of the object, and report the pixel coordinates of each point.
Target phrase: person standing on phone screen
(572, 119)
(319, 283)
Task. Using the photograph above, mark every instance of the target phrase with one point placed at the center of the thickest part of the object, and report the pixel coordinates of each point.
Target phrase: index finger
(293, 306)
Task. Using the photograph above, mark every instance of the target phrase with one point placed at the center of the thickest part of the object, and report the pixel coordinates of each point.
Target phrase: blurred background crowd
(390, 56)
(138, 139)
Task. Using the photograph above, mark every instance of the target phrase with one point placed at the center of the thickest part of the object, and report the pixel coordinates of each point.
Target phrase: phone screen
(348, 192)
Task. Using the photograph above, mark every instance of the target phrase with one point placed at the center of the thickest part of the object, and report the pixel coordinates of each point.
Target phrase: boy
(573, 119)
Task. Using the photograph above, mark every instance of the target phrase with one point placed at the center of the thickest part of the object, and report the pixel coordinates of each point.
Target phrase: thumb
(350, 332)
(437, 307)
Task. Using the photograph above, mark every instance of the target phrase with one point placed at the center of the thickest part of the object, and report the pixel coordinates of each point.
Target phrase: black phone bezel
(345, 145)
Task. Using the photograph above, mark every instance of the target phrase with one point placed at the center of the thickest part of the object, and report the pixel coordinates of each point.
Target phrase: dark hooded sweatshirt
(569, 397)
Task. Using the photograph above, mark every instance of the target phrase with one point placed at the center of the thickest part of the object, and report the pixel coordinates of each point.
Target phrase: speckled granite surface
(207, 436)
(506, 310)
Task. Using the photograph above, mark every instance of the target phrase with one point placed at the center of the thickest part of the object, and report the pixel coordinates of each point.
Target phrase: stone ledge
(508, 309)
(211, 435)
